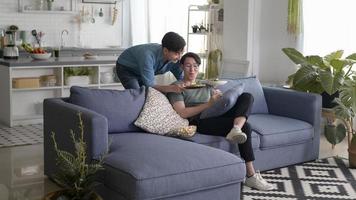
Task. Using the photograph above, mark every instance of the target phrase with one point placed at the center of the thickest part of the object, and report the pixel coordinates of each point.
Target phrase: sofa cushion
(149, 166)
(221, 142)
(276, 131)
(253, 86)
(225, 103)
(158, 115)
(121, 108)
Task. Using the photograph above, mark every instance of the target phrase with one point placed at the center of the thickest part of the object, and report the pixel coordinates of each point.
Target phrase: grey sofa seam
(196, 190)
(144, 179)
(283, 131)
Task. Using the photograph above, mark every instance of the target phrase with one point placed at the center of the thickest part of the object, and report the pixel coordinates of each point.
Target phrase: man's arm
(176, 88)
(177, 71)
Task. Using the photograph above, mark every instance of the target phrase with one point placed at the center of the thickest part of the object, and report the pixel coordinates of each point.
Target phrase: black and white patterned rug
(21, 135)
(328, 178)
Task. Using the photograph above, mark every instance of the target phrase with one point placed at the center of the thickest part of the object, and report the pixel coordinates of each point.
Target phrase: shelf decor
(47, 6)
(100, 1)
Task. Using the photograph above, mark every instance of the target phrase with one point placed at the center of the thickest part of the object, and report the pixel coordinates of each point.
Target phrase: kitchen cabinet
(20, 106)
(48, 7)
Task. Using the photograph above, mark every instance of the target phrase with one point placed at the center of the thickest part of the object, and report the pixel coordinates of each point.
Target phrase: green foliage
(75, 174)
(78, 71)
(346, 108)
(294, 17)
(214, 61)
(318, 74)
(335, 134)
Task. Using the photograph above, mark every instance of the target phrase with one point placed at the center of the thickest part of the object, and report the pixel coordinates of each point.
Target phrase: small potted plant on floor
(76, 176)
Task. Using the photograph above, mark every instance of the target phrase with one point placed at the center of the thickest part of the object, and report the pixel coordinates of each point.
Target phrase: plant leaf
(338, 65)
(331, 83)
(316, 60)
(334, 55)
(352, 56)
(335, 134)
(305, 79)
(294, 55)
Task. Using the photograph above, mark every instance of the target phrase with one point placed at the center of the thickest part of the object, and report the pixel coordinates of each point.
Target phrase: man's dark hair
(173, 42)
(190, 55)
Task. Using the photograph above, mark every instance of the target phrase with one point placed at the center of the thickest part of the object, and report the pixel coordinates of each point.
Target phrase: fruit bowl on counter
(40, 56)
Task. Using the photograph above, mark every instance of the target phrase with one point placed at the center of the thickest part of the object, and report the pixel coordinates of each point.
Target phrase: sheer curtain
(329, 25)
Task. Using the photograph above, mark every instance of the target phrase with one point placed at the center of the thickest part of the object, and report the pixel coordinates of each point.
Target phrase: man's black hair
(190, 55)
(173, 42)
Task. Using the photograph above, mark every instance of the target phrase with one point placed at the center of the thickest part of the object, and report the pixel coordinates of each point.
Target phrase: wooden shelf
(110, 84)
(47, 12)
(90, 85)
(32, 89)
(59, 7)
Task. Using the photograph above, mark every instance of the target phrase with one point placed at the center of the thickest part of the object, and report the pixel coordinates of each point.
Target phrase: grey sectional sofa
(286, 130)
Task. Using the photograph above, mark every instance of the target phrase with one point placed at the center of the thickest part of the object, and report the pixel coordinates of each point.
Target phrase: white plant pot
(77, 80)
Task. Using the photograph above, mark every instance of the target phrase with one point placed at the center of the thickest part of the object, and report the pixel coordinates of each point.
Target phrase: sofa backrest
(253, 86)
(121, 108)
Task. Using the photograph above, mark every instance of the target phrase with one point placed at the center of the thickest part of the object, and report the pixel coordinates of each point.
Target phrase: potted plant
(49, 4)
(75, 175)
(214, 64)
(195, 28)
(346, 111)
(77, 75)
(322, 75)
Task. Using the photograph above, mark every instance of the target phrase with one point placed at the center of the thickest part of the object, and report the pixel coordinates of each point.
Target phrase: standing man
(138, 65)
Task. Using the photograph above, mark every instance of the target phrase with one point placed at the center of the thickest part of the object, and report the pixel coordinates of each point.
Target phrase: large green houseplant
(346, 111)
(76, 175)
(319, 74)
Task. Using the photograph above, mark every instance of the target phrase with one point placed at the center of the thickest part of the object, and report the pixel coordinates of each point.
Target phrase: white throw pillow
(159, 117)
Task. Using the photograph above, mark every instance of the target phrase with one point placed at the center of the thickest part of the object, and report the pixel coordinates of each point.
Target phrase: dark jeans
(221, 125)
(128, 79)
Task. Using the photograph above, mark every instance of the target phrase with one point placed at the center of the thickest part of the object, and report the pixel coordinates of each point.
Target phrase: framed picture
(100, 1)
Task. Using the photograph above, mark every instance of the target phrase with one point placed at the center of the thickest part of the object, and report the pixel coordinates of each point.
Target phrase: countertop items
(22, 62)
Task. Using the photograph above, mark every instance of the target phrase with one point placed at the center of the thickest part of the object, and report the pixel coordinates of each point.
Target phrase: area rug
(21, 135)
(328, 178)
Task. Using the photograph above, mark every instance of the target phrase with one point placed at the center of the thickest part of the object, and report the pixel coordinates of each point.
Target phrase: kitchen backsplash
(82, 31)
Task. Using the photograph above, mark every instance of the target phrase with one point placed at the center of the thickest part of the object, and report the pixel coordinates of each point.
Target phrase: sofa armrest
(297, 105)
(60, 117)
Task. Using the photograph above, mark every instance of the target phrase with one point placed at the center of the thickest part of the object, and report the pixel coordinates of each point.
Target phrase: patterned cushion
(158, 115)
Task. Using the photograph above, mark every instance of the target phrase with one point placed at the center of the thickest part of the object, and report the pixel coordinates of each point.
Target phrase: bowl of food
(41, 56)
(88, 55)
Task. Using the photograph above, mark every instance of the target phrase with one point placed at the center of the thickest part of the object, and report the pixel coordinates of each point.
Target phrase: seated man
(232, 124)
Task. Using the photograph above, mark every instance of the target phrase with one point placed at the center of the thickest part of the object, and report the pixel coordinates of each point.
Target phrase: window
(329, 25)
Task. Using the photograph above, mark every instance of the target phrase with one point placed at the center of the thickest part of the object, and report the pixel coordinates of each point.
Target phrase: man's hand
(217, 94)
(177, 88)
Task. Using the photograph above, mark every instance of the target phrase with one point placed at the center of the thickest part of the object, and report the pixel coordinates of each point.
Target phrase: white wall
(254, 34)
(235, 37)
(99, 34)
(273, 64)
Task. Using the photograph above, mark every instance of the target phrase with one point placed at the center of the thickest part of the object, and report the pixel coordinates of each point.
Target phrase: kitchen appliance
(10, 50)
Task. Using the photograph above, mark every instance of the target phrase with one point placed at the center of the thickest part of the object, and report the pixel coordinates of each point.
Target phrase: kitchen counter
(23, 62)
(77, 51)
